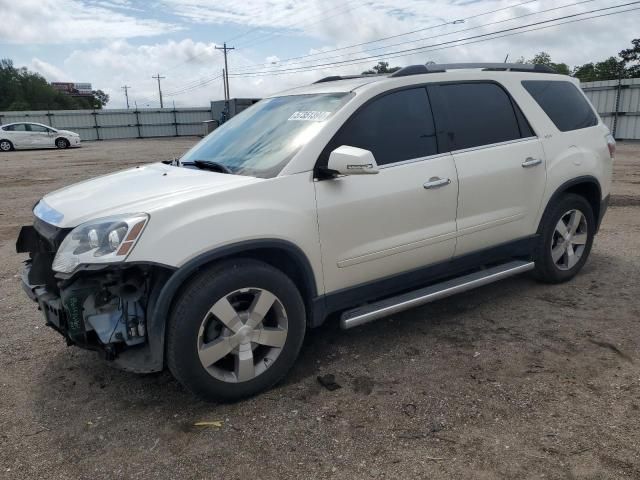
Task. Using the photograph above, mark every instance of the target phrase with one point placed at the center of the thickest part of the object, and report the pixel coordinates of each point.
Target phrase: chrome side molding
(373, 311)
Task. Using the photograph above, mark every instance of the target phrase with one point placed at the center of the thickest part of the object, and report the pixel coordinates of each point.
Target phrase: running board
(373, 311)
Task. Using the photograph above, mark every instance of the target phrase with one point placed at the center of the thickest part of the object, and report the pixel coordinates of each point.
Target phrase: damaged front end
(100, 308)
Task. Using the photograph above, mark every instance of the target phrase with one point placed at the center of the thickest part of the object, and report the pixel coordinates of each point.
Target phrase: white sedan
(35, 135)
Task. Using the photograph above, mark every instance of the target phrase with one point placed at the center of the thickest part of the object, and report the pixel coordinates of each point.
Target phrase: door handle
(436, 182)
(531, 162)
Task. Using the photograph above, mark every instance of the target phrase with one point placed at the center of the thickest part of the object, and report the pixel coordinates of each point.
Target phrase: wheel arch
(586, 186)
(60, 137)
(280, 254)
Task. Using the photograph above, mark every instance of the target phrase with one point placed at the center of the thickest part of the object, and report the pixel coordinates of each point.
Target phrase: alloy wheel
(242, 334)
(5, 146)
(569, 239)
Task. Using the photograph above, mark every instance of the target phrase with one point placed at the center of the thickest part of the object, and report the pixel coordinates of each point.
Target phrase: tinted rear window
(396, 127)
(563, 103)
(479, 114)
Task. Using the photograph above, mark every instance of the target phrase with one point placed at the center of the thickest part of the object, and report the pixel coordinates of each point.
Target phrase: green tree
(543, 58)
(609, 69)
(21, 89)
(632, 55)
(381, 67)
(100, 98)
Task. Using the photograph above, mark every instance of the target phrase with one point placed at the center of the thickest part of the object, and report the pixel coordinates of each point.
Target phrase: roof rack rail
(495, 67)
(334, 78)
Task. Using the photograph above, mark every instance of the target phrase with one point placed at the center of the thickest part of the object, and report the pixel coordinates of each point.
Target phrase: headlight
(105, 240)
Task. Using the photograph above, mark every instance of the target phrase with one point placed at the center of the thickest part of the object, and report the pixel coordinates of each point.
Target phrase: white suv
(360, 196)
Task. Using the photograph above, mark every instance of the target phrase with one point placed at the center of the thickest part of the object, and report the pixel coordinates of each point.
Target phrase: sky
(280, 44)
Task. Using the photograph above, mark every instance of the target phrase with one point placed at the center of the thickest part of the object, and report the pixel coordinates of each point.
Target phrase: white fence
(618, 103)
(109, 124)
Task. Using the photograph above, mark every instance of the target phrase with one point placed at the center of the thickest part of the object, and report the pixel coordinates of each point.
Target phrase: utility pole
(126, 94)
(224, 84)
(158, 77)
(224, 48)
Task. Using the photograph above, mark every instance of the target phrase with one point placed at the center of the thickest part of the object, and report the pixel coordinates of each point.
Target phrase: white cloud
(48, 71)
(328, 25)
(59, 21)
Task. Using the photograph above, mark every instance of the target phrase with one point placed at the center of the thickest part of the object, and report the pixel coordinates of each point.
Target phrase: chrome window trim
(491, 145)
(413, 160)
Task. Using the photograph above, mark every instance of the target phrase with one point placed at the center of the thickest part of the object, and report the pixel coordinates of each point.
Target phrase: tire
(6, 146)
(62, 143)
(560, 252)
(202, 326)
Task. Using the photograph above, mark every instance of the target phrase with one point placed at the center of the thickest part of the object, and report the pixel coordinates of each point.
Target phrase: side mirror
(347, 160)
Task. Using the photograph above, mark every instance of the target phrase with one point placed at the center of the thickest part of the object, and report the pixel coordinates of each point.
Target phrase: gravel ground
(516, 380)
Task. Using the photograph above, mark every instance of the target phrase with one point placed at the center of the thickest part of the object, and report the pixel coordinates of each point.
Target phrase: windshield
(261, 140)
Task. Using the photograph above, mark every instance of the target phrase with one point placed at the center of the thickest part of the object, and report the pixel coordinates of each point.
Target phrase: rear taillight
(611, 144)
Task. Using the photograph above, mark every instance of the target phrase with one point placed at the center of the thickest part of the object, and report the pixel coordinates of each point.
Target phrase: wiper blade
(210, 165)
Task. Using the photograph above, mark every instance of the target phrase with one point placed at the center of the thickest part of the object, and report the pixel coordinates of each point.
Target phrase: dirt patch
(624, 201)
(516, 380)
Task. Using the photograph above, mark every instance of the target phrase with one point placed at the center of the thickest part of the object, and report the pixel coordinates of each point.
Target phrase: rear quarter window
(563, 103)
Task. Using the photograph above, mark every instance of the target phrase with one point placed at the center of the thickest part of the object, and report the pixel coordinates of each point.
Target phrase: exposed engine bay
(103, 309)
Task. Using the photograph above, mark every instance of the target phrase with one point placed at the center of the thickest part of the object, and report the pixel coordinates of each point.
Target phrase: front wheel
(565, 239)
(235, 330)
(62, 143)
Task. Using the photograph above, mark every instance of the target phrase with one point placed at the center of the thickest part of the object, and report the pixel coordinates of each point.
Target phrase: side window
(563, 103)
(479, 114)
(396, 127)
(38, 128)
(17, 127)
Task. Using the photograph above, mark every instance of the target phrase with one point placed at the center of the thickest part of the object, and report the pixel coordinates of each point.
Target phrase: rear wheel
(565, 240)
(62, 143)
(5, 146)
(235, 330)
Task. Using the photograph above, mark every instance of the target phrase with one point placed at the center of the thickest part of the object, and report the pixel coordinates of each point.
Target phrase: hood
(69, 132)
(137, 190)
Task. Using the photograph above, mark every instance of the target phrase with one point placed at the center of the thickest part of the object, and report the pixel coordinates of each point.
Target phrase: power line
(158, 77)
(438, 36)
(417, 49)
(485, 39)
(453, 22)
(431, 27)
(432, 47)
(201, 84)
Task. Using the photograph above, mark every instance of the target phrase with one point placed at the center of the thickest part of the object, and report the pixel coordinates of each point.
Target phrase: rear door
(18, 135)
(376, 226)
(500, 164)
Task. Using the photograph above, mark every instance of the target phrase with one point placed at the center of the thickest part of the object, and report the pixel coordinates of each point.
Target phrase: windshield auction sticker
(310, 116)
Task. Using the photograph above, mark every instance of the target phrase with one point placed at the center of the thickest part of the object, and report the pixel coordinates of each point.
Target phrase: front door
(404, 217)
(41, 136)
